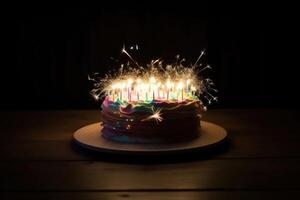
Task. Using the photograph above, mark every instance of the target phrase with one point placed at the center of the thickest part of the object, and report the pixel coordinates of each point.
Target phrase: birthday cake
(151, 122)
(156, 103)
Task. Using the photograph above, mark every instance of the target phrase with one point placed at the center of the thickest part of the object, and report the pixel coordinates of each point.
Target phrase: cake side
(151, 122)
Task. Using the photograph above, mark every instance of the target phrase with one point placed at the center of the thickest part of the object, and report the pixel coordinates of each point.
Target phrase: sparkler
(155, 82)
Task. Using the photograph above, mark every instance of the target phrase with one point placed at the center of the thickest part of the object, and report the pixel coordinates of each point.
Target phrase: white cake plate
(90, 137)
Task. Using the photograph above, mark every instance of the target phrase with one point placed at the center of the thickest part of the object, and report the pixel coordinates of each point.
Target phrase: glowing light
(155, 82)
(152, 80)
(129, 81)
(180, 85)
(96, 97)
(169, 84)
(156, 116)
(200, 56)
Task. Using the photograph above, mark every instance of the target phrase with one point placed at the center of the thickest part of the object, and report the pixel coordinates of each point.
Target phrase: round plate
(90, 137)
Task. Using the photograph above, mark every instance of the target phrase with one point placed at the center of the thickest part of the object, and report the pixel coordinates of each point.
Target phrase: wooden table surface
(260, 160)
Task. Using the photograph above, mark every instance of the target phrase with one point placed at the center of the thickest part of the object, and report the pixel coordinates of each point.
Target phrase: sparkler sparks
(200, 56)
(155, 82)
(156, 116)
(129, 56)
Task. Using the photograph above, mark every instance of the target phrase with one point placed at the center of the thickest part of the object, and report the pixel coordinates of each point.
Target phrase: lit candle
(152, 86)
(169, 85)
(121, 94)
(129, 82)
(117, 90)
(114, 86)
(193, 89)
(146, 90)
(163, 91)
(122, 88)
(180, 87)
(172, 90)
(138, 87)
(188, 85)
(158, 87)
(153, 96)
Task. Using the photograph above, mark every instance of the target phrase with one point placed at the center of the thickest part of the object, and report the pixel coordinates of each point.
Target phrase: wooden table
(261, 160)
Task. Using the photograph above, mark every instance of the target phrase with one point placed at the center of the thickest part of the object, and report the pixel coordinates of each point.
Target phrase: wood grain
(237, 174)
(171, 195)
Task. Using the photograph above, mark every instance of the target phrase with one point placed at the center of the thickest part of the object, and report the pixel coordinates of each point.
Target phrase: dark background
(52, 48)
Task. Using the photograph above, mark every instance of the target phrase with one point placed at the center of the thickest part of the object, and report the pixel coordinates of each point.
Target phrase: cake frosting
(151, 122)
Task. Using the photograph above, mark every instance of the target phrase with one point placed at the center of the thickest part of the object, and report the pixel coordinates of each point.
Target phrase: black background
(51, 48)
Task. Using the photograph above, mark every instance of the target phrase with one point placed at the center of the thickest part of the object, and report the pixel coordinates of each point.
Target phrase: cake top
(154, 110)
(151, 106)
